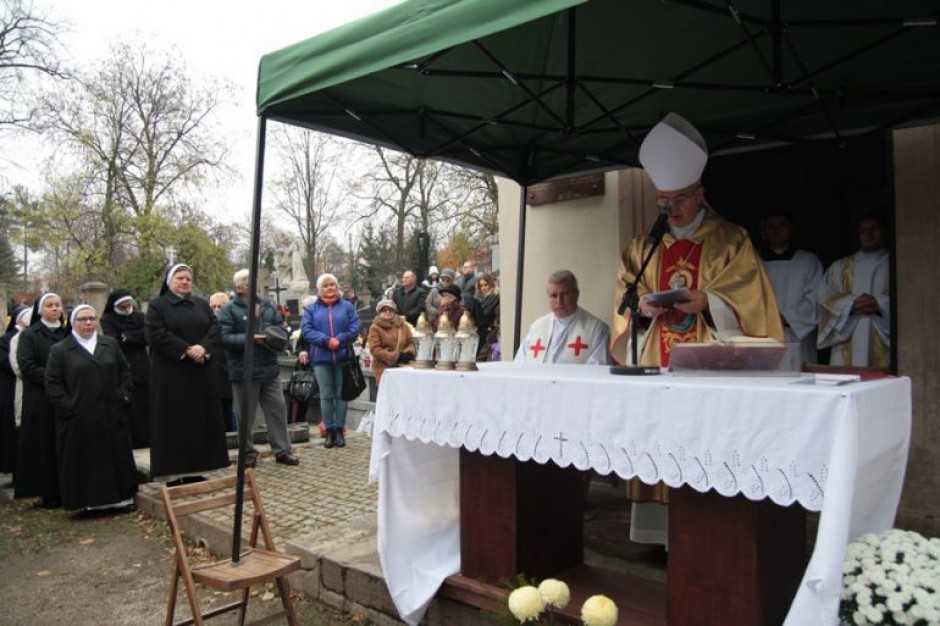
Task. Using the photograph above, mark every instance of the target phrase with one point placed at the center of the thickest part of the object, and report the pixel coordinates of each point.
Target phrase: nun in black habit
(89, 383)
(36, 465)
(121, 320)
(7, 394)
(187, 437)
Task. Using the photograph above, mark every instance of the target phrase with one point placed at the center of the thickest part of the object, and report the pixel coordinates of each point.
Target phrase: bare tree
(306, 192)
(29, 45)
(420, 195)
(143, 130)
(478, 216)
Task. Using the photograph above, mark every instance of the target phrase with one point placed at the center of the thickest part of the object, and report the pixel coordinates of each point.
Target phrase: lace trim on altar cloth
(728, 474)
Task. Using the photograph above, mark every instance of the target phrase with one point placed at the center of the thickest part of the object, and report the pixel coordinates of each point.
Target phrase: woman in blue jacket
(330, 325)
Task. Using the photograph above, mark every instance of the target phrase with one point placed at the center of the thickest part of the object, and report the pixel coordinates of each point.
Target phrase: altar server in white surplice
(855, 304)
(568, 334)
(796, 275)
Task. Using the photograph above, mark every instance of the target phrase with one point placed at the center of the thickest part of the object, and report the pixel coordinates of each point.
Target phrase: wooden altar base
(640, 602)
(732, 562)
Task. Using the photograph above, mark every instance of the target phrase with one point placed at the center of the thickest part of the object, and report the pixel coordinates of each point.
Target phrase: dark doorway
(825, 186)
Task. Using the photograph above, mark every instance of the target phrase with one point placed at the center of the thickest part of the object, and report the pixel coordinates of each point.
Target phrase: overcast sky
(224, 39)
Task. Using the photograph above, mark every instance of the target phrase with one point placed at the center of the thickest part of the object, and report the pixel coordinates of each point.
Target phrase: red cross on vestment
(577, 346)
(538, 347)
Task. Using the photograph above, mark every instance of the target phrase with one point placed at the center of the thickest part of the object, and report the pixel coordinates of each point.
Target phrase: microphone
(656, 235)
(662, 224)
(624, 300)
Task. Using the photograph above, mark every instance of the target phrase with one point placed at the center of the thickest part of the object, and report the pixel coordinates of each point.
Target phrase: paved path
(330, 486)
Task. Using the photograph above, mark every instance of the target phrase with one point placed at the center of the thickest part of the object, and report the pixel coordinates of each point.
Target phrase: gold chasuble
(719, 259)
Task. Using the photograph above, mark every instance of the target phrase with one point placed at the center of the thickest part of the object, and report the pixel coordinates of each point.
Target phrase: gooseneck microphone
(662, 224)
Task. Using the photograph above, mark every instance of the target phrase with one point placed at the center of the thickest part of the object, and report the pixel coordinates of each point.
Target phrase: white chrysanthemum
(526, 603)
(555, 593)
(873, 615)
(894, 604)
(599, 611)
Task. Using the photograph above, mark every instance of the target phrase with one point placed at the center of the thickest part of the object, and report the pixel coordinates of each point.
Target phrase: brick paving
(330, 486)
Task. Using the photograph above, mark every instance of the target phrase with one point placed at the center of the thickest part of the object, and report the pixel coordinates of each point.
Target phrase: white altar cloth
(840, 450)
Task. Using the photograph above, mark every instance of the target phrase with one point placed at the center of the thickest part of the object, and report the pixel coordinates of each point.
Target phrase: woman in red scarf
(330, 325)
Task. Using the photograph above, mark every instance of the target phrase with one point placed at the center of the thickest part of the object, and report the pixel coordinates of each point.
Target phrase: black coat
(410, 304)
(7, 417)
(36, 464)
(485, 312)
(131, 337)
(233, 325)
(186, 434)
(91, 396)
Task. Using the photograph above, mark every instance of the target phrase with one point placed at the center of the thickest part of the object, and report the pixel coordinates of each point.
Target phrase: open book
(669, 297)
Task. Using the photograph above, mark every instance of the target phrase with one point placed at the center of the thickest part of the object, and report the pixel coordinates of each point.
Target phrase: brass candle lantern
(445, 344)
(467, 340)
(424, 344)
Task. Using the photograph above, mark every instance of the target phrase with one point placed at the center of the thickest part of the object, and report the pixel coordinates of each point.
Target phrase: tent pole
(244, 408)
(520, 267)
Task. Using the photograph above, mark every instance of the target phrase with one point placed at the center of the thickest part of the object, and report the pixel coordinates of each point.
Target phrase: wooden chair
(255, 565)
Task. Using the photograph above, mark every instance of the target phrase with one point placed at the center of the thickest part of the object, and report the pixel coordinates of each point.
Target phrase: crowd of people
(78, 395)
(75, 401)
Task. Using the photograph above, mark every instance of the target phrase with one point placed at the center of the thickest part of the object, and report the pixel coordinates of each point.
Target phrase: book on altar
(668, 297)
(740, 356)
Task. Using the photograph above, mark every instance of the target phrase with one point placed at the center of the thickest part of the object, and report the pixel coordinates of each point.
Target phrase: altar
(839, 450)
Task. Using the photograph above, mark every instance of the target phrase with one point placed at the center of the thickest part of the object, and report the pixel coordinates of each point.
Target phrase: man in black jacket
(264, 387)
(410, 297)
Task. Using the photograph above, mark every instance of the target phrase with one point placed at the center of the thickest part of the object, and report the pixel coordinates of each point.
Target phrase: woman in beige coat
(390, 340)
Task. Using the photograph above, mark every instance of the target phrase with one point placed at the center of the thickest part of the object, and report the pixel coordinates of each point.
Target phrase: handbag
(303, 384)
(354, 381)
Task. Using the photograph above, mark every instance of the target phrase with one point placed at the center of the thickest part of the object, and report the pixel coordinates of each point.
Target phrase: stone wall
(917, 230)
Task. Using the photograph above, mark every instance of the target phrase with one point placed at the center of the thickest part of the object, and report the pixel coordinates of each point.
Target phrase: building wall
(917, 231)
(579, 235)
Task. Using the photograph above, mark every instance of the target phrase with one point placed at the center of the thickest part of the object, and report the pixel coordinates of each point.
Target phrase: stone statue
(299, 283)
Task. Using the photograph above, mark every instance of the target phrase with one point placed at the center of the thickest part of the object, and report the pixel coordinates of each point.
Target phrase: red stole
(679, 267)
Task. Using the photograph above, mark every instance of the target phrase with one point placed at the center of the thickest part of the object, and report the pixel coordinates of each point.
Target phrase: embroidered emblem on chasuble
(679, 267)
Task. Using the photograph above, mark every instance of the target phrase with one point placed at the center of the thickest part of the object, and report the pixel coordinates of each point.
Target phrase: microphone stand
(631, 300)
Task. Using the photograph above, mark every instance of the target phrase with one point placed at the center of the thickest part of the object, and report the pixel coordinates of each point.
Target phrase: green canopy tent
(541, 89)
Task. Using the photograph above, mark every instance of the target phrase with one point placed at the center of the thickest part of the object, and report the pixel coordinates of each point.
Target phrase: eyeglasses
(86, 320)
(682, 198)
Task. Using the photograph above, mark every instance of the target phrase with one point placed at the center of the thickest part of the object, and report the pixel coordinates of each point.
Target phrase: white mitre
(674, 154)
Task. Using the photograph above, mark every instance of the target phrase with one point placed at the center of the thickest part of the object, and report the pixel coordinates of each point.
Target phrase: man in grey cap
(264, 388)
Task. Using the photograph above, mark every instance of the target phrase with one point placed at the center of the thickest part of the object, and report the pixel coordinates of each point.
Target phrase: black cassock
(36, 473)
(91, 396)
(7, 417)
(128, 330)
(186, 434)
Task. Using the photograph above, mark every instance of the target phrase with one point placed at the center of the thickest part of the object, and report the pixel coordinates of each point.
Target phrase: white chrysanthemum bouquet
(891, 578)
(527, 604)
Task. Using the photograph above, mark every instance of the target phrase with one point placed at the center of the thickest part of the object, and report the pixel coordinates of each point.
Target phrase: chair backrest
(216, 493)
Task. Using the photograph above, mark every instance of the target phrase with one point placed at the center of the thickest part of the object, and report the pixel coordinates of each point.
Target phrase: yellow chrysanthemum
(555, 593)
(599, 611)
(526, 603)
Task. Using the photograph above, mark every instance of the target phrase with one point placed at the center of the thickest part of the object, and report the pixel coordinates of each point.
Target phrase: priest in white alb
(568, 334)
(796, 275)
(855, 304)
